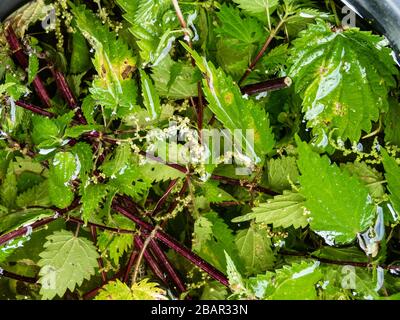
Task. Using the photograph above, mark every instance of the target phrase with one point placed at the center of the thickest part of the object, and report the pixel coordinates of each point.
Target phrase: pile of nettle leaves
(85, 213)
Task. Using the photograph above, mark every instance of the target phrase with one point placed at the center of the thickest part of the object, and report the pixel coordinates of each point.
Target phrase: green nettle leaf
(174, 80)
(247, 30)
(8, 192)
(214, 194)
(64, 168)
(151, 37)
(283, 210)
(340, 204)
(115, 244)
(150, 97)
(211, 238)
(84, 153)
(367, 285)
(340, 87)
(143, 290)
(275, 59)
(258, 8)
(89, 108)
(392, 129)
(35, 196)
(22, 165)
(295, 282)
(113, 61)
(13, 86)
(392, 174)
(4, 163)
(92, 197)
(372, 178)
(214, 291)
(203, 230)
(77, 131)
(236, 112)
(236, 282)
(282, 172)
(341, 254)
(158, 172)
(304, 16)
(119, 162)
(125, 174)
(65, 262)
(80, 57)
(238, 40)
(44, 130)
(33, 67)
(115, 290)
(254, 246)
(233, 56)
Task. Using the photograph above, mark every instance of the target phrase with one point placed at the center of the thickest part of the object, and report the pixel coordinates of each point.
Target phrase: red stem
(266, 86)
(64, 88)
(22, 231)
(175, 203)
(131, 261)
(151, 261)
(175, 245)
(66, 92)
(167, 265)
(260, 54)
(37, 224)
(164, 197)
(11, 275)
(34, 109)
(245, 184)
(99, 226)
(22, 59)
(157, 159)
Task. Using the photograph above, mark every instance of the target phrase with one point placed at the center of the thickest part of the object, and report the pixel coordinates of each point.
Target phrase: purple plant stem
(227, 204)
(339, 262)
(267, 86)
(129, 266)
(164, 197)
(175, 203)
(66, 92)
(151, 261)
(18, 277)
(34, 109)
(93, 233)
(37, 224)
(99, 226)
(132, 206)
(260, 54)
(22, 59)
(158, 159)
(167, 265)
(244, 184)
(64, 88)
(175, 245)
(22, 231)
